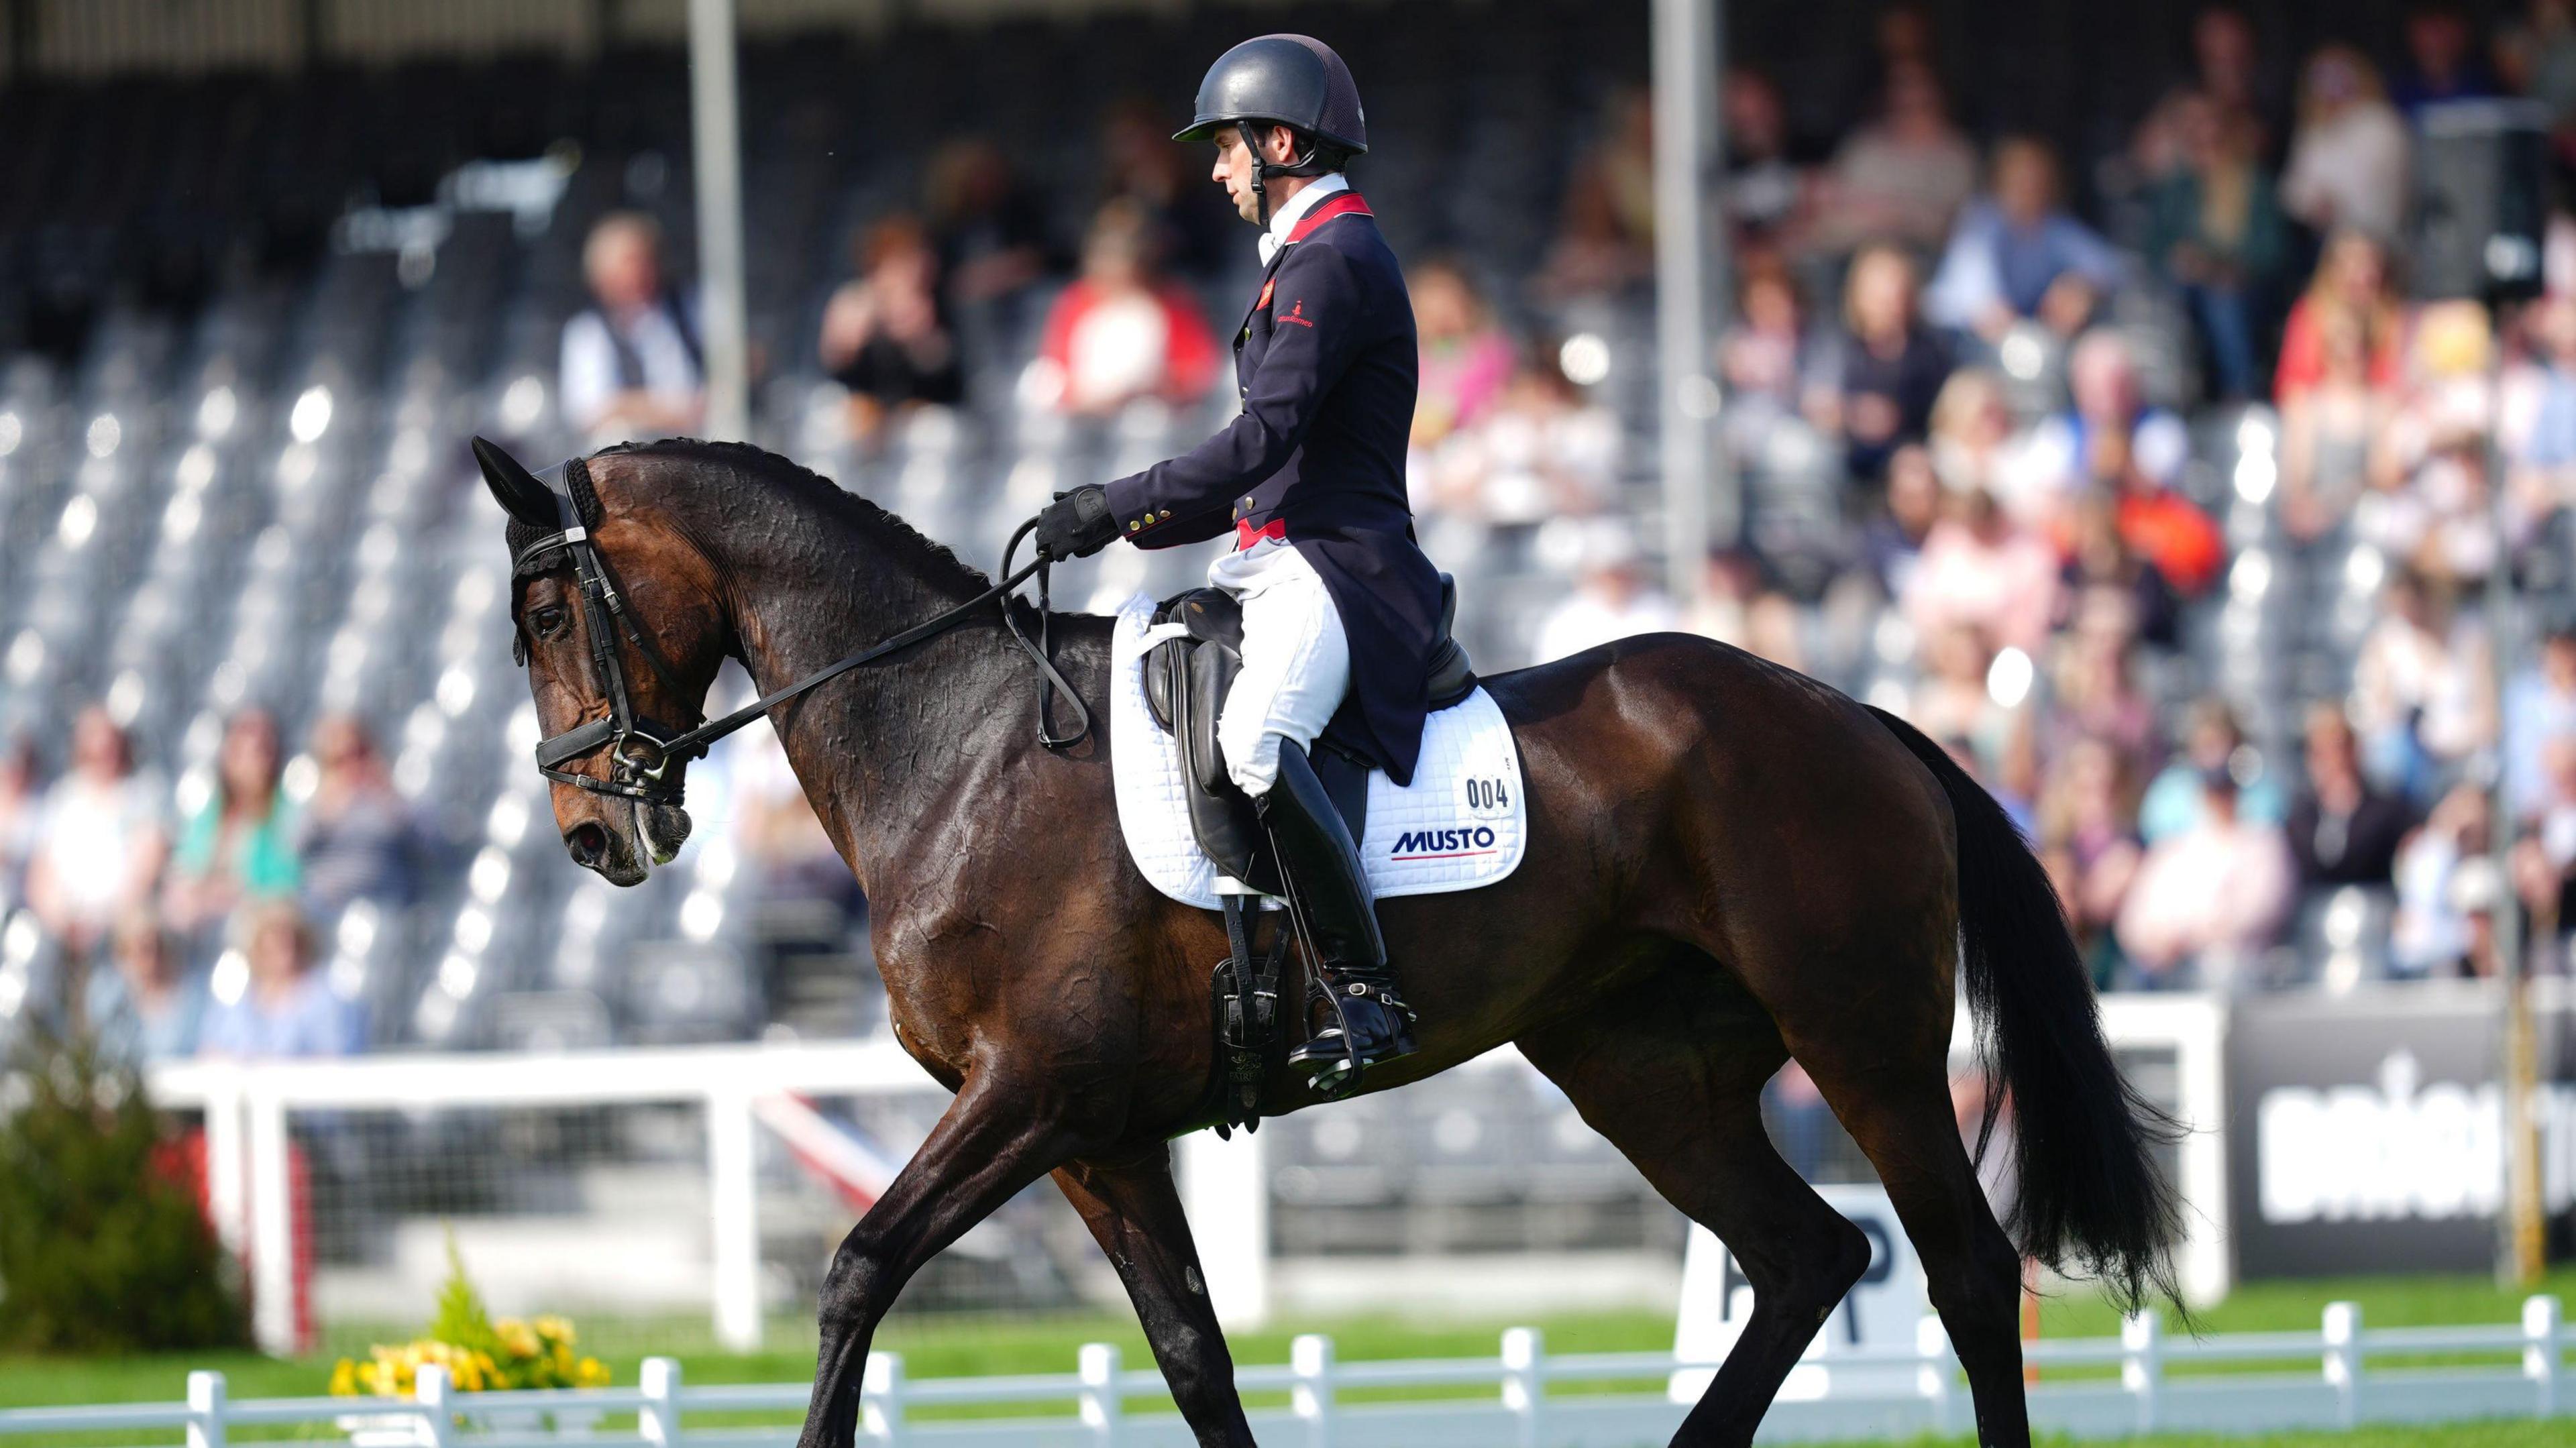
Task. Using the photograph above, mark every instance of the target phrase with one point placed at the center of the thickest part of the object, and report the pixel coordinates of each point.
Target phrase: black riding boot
(1328, 888)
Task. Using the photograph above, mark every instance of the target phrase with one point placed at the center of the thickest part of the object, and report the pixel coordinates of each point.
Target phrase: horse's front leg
(1135, 1212)
(1003, 1132)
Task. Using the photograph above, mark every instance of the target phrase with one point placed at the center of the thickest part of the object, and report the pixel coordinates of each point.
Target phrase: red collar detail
(1340, 203)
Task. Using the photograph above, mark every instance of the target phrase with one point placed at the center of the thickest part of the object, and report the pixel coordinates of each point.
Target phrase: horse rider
(1340, 608)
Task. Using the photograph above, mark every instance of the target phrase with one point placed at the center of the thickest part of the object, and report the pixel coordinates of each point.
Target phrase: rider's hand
(1076, 524)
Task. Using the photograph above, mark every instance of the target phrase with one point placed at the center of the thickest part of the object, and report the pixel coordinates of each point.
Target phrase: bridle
(641, 751)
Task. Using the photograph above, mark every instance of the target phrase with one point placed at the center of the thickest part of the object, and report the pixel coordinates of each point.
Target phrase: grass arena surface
(938, 1346)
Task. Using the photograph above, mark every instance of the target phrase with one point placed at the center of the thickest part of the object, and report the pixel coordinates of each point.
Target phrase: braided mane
(794, 479)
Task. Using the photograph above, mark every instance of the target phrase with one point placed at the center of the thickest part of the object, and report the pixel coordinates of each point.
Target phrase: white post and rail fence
(2338, 1376)
(251, 1113)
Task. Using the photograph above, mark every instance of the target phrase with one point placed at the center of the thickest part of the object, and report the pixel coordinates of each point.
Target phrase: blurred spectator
(2207, 901)
(1876, 387)
(240, 846)
(2443, 880)
(2091, 850)
(100, 839)
(149, 1008)
(2216, 235)
(2544, 864)
(1612, 599)
(1737, 606)
(1189, 219)
(1956, 702)
(2212, 739)
(1605, 241)
(2104, 573)
(632, 363)
(2442, 519)
(2351, 283)
(884, 335)
(1900, 178)
(1891, 542)
(1762, 188)
(990, 231)
(2343, 831)
(1976, 447)
(1119, 332)
(22, 800)
(1762, 359)
(2228, 73)
(2420, 685)
(2443, 63)
(1466, 355)
(2539, 426)
(1978, 568)
(285, 1007)
(2017, 255)
(2348, 159)
(1542, 451)
(2538, 56)
(2113, 443)
(2334, 434)
(356, 838)
(2097, 697)
(2539, 710)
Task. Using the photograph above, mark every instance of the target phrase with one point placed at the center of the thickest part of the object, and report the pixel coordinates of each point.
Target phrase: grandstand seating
(231, 467)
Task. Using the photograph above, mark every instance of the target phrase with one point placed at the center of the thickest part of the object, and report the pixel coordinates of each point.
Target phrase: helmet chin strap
(1263, 168)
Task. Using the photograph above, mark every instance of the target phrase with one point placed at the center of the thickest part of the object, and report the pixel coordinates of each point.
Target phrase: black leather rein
(643, 779)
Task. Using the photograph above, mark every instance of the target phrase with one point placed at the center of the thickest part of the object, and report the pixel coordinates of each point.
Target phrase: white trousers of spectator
(1296, 660)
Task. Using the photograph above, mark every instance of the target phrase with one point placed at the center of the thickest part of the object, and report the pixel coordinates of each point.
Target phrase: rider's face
(1233, 168)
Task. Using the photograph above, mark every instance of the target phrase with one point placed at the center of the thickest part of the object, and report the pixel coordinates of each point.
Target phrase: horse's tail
(2091, 1199)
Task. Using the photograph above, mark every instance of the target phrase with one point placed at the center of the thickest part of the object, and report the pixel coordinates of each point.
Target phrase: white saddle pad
(1460, 824)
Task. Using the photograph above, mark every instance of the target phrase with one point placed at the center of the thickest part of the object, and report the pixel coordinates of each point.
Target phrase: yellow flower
(592, 1373)
(344, 1379)
(518, 1339)
(557, 1329)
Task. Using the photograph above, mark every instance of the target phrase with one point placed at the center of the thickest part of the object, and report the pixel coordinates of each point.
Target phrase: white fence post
(2343, 1359)
(1103, 1410)
(659, 1421)
(733, 1172)
(1524, 1381)
(1932, 1379)
(881, 1406)
(2142, 1369)
(272, 1225)
(1310, 1357)
(205, 1410)
(437, 1416)
(2541, 1322)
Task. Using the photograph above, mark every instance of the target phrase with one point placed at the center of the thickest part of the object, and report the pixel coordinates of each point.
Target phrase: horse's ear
(515, 488)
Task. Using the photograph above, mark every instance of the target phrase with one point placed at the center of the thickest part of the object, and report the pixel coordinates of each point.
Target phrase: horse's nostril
(588, 843)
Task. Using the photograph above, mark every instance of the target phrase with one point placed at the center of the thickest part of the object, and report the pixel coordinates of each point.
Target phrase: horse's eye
(546, 622)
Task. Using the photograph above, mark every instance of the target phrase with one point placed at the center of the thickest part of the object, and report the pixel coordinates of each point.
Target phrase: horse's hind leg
(1671, 1071)
(1902, 1118)
(1135, 1212)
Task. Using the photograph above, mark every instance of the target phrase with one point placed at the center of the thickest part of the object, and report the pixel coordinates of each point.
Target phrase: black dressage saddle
(1186, 680)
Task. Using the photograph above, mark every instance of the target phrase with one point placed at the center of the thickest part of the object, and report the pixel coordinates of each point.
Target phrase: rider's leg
(1296, 670)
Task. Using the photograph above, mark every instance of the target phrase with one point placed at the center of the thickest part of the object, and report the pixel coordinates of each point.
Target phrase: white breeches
(1296, 660)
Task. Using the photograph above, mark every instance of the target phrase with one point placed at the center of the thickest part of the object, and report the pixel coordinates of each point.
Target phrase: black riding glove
(1076, 524)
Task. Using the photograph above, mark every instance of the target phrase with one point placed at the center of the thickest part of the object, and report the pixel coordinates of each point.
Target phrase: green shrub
(102, 1245)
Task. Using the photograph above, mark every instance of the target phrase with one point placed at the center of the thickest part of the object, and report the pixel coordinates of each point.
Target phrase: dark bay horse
(1729, 865)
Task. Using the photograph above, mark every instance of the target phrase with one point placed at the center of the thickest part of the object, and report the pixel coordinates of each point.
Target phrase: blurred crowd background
(2092, 424)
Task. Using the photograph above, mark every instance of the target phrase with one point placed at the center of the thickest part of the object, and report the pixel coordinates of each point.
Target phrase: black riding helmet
(1288, 80)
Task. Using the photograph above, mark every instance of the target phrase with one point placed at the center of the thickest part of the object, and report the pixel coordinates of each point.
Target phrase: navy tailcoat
(1327, 366)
